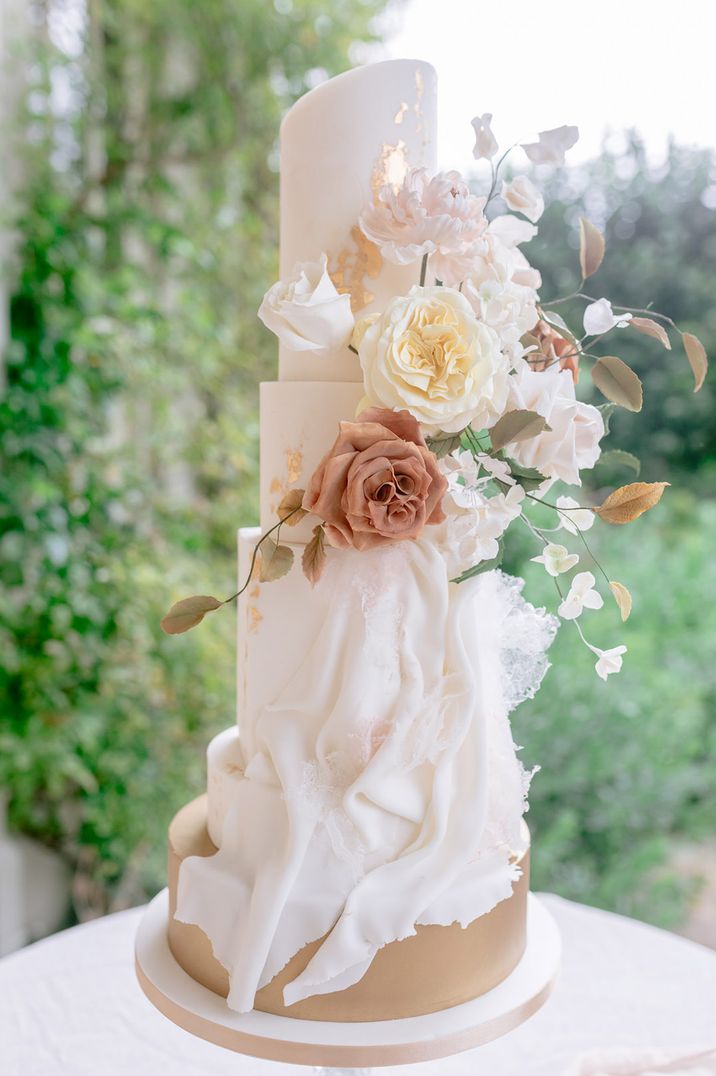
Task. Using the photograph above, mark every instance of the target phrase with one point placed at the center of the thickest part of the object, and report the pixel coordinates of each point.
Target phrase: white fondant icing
(299, 423)
(224, 769)
(336, 142)
(381, 786)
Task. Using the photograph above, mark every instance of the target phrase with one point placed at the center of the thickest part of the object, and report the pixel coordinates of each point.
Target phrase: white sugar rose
(572, 442)
(429, 354)
(306, 312)
(501, 289)
(521, 196)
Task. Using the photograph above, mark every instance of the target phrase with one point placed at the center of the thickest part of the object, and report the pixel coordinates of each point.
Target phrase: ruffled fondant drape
(381, 786)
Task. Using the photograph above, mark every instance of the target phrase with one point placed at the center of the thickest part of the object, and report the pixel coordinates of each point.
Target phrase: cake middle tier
(299, 423)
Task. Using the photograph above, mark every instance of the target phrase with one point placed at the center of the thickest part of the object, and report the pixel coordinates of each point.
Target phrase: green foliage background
(147, 229)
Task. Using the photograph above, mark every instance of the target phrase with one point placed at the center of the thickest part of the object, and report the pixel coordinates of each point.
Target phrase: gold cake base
(435, 969)
(203, 1013)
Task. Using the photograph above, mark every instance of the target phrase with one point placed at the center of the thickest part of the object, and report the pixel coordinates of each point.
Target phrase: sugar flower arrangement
(470, 415)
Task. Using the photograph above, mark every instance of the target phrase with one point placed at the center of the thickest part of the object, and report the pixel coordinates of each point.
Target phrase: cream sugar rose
(428, 353)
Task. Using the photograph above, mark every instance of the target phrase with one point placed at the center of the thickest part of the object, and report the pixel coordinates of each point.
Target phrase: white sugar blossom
(608, 661)
(306, 312)
(582, 595)
(552, 145)
(572, 442)
(556, 559)
(464, 486)
(572, 517)
(521, 196)
(497, 469)
(511, 230)
(600, 318)
(501, 288)
(474, 521)
(485, 141)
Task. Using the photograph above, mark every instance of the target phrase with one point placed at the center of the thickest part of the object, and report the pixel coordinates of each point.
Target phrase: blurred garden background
(138, 216)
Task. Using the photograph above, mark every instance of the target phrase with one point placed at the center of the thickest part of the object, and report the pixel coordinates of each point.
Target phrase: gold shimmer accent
(353, 265)
(398, 117)
(232, 767)
(294, 464)
(391, 166)
(418, 106)
(255, 618)
(276, 486)
(431, 970)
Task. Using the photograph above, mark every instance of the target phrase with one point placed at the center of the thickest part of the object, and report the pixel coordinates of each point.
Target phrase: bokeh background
(138, 231)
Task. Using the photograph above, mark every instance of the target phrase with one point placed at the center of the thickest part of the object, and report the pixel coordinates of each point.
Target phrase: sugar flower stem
(423, 270)
(566, 511)
(496, 173)
(262, 539)
(565, 298)
(615, 306)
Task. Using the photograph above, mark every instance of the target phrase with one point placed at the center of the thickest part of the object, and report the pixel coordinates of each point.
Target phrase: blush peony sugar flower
(378, 483)
(436, 216)
(428, 353)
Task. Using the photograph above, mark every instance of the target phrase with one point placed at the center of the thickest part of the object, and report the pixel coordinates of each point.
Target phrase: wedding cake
(360, 853)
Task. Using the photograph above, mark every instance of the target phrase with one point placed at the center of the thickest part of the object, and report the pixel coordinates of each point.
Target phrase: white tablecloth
(70, 1005)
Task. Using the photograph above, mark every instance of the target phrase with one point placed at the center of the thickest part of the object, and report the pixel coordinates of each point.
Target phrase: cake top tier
(343, 140)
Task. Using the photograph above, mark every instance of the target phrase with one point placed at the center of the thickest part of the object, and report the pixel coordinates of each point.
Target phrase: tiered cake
(360, 853)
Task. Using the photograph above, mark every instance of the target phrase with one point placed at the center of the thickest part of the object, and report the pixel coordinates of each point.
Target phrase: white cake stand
(347, 1045)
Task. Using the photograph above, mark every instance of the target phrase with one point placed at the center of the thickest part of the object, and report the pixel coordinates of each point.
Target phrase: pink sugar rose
(379, 483)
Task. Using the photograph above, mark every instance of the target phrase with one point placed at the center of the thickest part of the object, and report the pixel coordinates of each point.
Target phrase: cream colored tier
(299, 423)
(339, 143)
(277, 623)
(224, 769)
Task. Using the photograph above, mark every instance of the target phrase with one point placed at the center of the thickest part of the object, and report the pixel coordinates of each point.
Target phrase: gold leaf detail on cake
(391, 166)
(419, 87)
(233, 767)
(256, 589)
(294, 464)
(352, 265)
(418, 107)
(276, 486)
(255, 618)
(398, 117)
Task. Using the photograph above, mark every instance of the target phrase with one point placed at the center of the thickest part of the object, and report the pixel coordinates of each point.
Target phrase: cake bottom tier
(434, 969)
